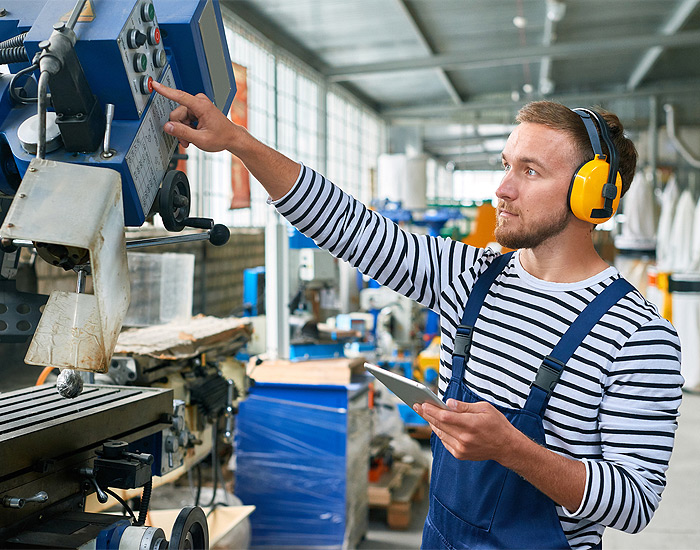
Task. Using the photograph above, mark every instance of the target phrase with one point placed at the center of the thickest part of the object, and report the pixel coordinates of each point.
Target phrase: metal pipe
(677, 20)
(138, 243)
(675, 140)
(228, 433)
(82, 279)
(143, 243)
(41, 112)
(653, 140)
(77, 10)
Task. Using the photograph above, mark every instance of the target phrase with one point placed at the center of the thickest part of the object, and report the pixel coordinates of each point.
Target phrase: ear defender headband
(596, 187)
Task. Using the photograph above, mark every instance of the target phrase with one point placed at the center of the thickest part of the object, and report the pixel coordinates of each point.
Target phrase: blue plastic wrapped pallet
(302, 457)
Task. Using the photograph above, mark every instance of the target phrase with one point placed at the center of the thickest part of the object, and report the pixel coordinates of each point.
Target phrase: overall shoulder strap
(553, 365)
(465, 330)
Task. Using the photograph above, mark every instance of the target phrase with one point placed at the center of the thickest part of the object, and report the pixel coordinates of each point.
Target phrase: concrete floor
(676, 525)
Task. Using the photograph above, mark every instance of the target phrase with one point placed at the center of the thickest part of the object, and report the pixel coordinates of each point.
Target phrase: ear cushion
(586, 190)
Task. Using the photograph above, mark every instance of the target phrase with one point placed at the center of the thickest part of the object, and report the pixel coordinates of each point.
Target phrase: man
(535, 451)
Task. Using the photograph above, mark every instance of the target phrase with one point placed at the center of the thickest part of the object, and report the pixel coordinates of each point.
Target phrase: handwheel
(174, 200)
(190, 530)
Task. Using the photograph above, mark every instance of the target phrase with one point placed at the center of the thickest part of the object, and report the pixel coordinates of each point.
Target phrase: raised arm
(407, 263)
(198, 121)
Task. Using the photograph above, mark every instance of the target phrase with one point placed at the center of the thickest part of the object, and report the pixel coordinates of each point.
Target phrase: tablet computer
(409, 391)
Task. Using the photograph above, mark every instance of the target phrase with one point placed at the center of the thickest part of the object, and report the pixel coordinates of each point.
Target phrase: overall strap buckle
(543, 386)
(548, 375)
(463, 340)
(550, 371)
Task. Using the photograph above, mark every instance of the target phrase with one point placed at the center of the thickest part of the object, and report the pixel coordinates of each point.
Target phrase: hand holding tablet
(409, 391)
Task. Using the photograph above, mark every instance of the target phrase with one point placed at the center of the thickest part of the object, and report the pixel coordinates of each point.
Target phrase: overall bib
(481, 504)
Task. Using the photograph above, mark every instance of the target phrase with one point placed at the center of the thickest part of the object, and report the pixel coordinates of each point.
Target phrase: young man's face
(532, 197)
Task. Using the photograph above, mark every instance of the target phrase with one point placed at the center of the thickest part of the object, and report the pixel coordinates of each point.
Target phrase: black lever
(218, 234)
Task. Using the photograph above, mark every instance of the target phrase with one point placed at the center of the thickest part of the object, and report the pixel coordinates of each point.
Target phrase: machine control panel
(142, 51)
(152, 149)
(121, 49)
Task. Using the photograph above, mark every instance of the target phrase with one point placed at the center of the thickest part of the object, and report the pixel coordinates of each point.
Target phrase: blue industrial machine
(78, 117)
(82, 155)
(102, 111)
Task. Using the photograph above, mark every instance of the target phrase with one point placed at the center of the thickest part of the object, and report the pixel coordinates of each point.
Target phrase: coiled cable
(14, 41)
(16, 54)
(145, 502)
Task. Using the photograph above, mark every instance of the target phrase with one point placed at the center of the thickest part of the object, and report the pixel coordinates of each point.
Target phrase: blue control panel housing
(196, 60)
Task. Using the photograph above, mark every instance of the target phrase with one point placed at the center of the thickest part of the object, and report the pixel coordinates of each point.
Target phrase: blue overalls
(481, 504)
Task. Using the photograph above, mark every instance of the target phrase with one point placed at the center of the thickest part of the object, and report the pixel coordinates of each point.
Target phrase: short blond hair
(560, 117)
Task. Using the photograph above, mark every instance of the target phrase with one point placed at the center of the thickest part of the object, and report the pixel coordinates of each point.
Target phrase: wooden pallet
(396, 490)
(421, 433)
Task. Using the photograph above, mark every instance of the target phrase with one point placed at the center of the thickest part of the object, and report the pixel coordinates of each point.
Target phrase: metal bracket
(76, 206)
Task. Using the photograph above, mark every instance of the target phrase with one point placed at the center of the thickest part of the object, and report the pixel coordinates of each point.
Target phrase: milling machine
(82, 156)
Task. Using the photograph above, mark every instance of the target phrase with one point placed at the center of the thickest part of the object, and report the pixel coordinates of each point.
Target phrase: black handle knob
(219, 235)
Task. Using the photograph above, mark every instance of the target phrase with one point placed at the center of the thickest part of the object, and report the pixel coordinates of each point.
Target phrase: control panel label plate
(150, 153)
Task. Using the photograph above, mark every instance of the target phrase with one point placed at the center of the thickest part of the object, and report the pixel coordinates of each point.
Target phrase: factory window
(298, 114)
(354, 145)
(210, 173)
(290, 108)
(475, 185)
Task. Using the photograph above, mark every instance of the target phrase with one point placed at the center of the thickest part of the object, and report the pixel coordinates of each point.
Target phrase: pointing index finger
(178, 96)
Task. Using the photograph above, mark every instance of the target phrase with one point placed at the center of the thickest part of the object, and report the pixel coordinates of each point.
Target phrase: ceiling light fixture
(519, 21)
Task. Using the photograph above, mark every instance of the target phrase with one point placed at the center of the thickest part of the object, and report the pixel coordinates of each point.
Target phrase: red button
(146, 84)
(157, 35)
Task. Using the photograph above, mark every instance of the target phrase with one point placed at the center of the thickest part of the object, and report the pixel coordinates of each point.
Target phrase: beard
(534, 236)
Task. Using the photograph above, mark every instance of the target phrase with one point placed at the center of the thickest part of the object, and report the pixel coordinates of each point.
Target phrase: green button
(148, 12)
(140, 62)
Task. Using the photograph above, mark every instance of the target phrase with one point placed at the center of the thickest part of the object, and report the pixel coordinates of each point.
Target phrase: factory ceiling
(452, 68)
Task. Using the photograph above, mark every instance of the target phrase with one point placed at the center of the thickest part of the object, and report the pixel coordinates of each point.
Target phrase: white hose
(675, 140)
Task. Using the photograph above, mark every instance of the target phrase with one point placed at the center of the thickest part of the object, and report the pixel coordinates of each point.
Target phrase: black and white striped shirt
(616, 405)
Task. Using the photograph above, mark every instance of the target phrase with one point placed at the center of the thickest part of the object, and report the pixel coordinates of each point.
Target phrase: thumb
(459, 406)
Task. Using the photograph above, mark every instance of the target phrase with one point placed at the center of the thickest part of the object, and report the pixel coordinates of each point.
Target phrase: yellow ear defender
(596, 187)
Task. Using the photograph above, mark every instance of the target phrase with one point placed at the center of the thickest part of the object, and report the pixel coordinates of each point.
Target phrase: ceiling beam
(483, 157)
(672, 26)
(412, 115)
(502, 58)
(443, 142)
(422, 39)
(285, 42)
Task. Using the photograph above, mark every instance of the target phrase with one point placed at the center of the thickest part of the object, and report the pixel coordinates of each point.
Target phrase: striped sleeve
(405, 262)
(638, 419)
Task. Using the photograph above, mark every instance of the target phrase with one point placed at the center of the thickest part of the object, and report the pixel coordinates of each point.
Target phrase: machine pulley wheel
(174, 200)
(190, 530)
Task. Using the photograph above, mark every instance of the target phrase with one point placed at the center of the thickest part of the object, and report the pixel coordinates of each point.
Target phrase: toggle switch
(135, 39)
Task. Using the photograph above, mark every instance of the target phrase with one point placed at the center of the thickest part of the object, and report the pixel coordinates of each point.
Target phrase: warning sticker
(86, 16)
